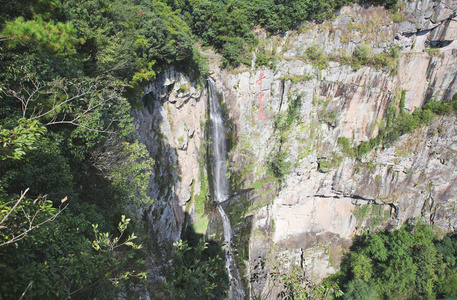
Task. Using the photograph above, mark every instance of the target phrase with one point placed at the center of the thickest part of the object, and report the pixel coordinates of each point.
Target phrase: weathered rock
(311, 215)
(315, 207)
(169, 124)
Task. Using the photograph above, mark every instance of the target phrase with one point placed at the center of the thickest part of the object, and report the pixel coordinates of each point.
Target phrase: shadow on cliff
(163, 219)
(199, 270)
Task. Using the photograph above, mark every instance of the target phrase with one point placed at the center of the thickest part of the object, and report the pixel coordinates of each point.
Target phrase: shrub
(362, 52)
(394, 50)
(344, 142)
(359, 289)
(314, 53)
(363, 148)
(233, 52)
(262, 59)
(424, 116)
(279, 166)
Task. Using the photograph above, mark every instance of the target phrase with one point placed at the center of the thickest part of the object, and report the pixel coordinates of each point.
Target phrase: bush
(344, 142)
(394, 50)
(363, 148)
(406, 123)
(423, 116)
(359, 289)
(314, 53)
(279, 166)
(362, 52)
(409, 263)
(233, 52)
(263, 59)
(316, 56)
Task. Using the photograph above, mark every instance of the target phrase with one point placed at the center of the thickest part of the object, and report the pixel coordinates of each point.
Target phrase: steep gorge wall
(313, 214)
(327, 197)
(169, 123)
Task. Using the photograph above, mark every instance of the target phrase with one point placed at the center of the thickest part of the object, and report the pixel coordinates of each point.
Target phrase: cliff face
(319, 206)
(170, 125)
(328, 196)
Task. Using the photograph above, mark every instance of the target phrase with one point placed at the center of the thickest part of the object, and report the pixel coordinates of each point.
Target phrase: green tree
(402, 264)
(194, 274)
(56, 37)
(359, 289)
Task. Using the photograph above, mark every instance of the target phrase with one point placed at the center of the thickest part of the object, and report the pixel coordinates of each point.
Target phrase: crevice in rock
(433, 44)
(393, 211)
(282, 93)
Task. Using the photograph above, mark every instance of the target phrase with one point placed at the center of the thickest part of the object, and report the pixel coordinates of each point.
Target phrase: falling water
(218, 144)
(219, 168)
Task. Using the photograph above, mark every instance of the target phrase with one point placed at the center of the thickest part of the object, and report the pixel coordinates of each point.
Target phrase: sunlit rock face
(314, 213)
(328, 196)
(169, 124)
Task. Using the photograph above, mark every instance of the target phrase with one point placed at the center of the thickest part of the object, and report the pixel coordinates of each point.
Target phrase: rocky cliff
(310, 213)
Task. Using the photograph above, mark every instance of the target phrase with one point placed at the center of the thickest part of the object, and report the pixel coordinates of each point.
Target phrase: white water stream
(219, 170)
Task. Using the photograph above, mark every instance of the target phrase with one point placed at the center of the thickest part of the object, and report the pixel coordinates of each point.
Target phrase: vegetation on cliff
(228, 25)
(398, 122)
(410, 263)
(413, 262)
(70, 163)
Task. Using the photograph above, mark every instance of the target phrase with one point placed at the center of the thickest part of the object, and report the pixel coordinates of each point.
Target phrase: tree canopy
(410, 263)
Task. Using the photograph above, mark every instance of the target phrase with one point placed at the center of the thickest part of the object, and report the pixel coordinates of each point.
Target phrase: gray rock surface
(328, 197)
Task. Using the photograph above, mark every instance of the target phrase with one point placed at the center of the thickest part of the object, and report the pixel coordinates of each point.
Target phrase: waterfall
(218, 145)
(220, 183)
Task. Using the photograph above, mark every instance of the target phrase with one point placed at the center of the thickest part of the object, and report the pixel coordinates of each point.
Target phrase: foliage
(363, 56)
(359, 289)
(45, 171)
(362, 53)
(131, 174)
(133, 40)
(200, 201)
(327, 164)
(279, 165)
(284, 120)
(195, 275)
(316, 55)
(228, 25)
(22, 137)
(58, 38)
(295, 285)
(67, 140)
(402, 264)
(19, 217)
(344, 142)
(263, 59)
(399, 122)
(58, 262)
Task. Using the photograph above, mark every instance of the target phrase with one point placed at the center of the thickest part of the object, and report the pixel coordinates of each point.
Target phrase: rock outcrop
(314, 213)
(170, 125)
(311, 214)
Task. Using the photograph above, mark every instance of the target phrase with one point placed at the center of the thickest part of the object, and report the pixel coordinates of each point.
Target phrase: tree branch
(30, 220)
(60, 102)
(13, 208)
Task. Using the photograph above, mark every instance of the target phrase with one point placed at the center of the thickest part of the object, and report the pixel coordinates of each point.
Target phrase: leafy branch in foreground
(14, 142)
(194, 274)
(24, 216)
(62, 101)
(57, 37)
(106, 243)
